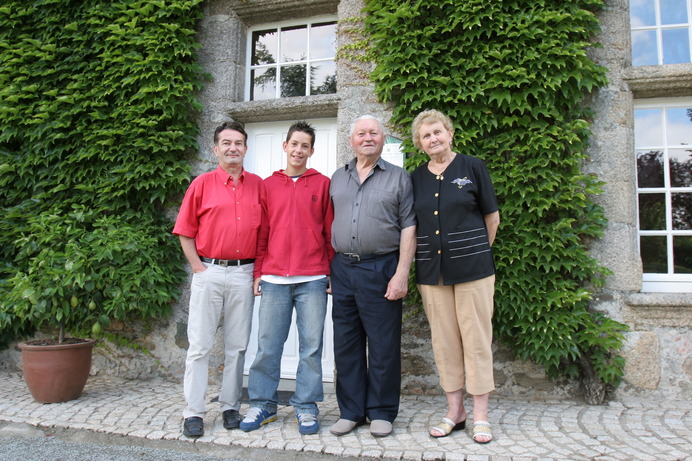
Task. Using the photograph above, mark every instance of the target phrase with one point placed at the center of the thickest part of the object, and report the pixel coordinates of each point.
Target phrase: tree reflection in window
(300, 58)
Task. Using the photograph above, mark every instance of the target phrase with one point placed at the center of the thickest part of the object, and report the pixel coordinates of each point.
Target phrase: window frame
(278, 26)
(657, 282)
(658, 28)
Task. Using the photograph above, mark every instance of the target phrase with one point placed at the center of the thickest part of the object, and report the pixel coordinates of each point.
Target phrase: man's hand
(397, 287)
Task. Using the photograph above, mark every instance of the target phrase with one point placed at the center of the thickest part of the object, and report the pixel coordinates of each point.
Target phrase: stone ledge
(660, 309)
(259, 11)
(297, 108)
(672, 80)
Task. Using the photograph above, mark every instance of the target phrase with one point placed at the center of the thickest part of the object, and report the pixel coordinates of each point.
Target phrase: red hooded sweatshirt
(296, 233)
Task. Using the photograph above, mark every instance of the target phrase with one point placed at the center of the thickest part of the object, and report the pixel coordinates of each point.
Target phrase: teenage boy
(291, 272)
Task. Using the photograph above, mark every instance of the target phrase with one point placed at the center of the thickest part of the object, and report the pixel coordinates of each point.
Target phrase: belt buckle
(353, 256)
(223, 262)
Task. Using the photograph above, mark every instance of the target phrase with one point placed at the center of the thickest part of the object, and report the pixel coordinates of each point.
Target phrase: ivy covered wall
(97, 125)
(513, 76)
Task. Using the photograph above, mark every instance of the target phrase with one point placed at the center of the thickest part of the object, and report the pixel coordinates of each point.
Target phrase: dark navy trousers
(367, 338)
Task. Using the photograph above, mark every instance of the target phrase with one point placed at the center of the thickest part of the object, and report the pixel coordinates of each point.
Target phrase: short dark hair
(235, 126)
(303, 127)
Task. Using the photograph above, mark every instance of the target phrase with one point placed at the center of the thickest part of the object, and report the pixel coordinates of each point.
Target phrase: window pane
(679, 126)
(682, 254)
(673, 12)
(323, 75)
(680, 167)
(647, 127)
(644, 51)
(323, 41)
(263, 83)
(642, 13)
(264, 44)
(654, 254)
(652, 211)
(293, 80)
(294, 44)
(682, 211)
(676, 46)
(650, 169)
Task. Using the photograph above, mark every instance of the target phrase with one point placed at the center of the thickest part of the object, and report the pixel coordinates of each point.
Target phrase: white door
(265, 155)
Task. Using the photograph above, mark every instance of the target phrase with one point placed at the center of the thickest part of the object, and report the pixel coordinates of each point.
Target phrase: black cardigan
(452, 239)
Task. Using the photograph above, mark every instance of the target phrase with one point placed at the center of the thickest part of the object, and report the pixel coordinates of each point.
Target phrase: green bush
(97, 124)
(513, 76)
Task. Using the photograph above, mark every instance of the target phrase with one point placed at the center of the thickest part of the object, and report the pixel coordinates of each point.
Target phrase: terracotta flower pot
(56, 373)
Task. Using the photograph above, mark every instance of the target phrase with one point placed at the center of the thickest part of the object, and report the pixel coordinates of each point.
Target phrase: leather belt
(227, 262)
(357, 257)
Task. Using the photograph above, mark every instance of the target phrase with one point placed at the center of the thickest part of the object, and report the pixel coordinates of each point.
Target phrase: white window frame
(669, 282)
(659, 28)
(280, 25)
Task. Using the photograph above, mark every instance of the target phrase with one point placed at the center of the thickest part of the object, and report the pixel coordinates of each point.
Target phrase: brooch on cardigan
(462, 182)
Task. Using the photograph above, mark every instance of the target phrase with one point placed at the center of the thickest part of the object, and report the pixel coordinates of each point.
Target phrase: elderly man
(374, 236)
(218, 226)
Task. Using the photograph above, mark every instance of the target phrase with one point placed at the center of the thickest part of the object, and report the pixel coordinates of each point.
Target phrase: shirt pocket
(381, 204)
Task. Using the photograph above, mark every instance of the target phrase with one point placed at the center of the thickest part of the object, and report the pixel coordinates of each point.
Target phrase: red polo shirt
(222, 215)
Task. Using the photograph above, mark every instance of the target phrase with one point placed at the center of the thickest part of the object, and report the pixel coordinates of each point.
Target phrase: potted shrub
(80, 271)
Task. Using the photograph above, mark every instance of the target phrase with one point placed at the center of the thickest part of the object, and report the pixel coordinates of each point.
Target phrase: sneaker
(307, 423)
(255, 418)
(193, 427)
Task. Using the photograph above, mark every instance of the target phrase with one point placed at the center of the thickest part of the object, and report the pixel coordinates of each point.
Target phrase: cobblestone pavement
(633, 429)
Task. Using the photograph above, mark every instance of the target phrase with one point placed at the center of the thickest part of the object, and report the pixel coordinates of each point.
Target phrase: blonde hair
(426, 117)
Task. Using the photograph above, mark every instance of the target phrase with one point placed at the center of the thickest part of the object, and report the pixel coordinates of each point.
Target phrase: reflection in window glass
(682, 211)
(680, 167)
(682, 254)
(676, 46)
(654, 254)
(323, 78)
(264, 47)
(294, 44)
(652, 211)
(293, 80)
(650, 169)
(663, 150)
(660, 32)
(296, 60)
(679, 126)
(263, 84)
(642, 13)
(323, 41)
(644, 48)
(673, 12)
(648, 127)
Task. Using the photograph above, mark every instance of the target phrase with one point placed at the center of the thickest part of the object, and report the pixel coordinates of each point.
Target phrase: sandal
(482, 429)
(446, 427)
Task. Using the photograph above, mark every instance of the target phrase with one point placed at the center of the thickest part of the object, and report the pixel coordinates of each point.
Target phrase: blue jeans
(275, 313)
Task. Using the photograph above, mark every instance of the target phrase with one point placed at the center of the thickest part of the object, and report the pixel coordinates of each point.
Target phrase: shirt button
(439, 252)
(436, 213)
(437, 232)
(437, 195)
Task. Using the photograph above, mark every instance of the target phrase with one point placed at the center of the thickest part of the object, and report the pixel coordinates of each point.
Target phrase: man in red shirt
(218, 226)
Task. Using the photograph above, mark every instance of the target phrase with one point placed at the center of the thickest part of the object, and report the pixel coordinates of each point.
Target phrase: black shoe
(231, 419)
(193, 427)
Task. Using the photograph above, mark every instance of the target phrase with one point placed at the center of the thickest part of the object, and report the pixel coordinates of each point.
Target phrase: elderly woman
(457, 220)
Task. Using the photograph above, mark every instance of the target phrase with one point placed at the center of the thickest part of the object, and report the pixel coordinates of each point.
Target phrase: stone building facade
(658, 346)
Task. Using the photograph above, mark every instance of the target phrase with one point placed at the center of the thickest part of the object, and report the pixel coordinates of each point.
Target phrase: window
(660, 31)
(663, 151)
(291, 60)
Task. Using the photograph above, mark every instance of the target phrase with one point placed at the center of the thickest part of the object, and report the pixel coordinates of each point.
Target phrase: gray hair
(365, 117)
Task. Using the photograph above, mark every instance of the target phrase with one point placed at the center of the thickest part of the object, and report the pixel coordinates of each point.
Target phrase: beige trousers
(460, 318)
